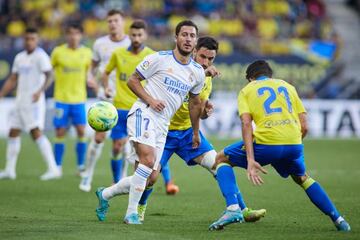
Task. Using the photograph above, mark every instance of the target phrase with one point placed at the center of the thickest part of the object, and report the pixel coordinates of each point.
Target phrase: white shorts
(28, 117)
(143, 127)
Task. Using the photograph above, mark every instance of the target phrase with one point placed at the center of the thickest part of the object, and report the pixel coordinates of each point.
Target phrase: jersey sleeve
(15, 67)
(111, 64)
(45, 64)
(196, 89)
(148, 66)
(95, 53)
(298, 105)
(243, 106)
(206, 90)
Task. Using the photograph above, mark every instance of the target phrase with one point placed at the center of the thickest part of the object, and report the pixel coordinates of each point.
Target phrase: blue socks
(59, 149)
(226, 179)
(145, 195)
(165, 171)
(320, 199)
(116, 166)
(81, 152)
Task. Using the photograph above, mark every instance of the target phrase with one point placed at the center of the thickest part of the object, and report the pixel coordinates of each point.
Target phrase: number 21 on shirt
(273, 94)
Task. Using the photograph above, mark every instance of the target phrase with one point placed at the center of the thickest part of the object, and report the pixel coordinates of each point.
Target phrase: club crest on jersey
(145, 65)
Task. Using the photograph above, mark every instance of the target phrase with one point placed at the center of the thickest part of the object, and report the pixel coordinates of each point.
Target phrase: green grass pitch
(31, 209)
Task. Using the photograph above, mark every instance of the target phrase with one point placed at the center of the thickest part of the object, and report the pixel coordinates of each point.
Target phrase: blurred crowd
(249, 26)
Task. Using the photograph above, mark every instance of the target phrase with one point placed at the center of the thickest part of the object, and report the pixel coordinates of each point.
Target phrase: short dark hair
(114, 12)
(31, 30)
(75, 26)
(207, 42)
(138, 24)
(185, 23)
(257, 69)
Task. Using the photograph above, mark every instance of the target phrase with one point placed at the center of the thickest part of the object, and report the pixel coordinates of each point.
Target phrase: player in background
(281, 124)
(124, 60)
(102, 50)
(180, 132)
(31, 75)
(171, 76)
(71, 62)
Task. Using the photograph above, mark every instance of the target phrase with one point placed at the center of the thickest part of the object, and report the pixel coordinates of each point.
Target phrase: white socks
(121, 187)
(47, 152)
(12, 153)
(92, 156)
(138, 184)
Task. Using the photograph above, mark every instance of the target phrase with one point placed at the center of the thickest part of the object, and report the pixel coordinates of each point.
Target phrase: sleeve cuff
(141, 75)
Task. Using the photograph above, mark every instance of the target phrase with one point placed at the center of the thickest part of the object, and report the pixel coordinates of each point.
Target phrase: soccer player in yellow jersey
(280, 120)
(179, 138)
(70, 62)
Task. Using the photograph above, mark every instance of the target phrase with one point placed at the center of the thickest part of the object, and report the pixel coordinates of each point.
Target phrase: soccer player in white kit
(31, 73)
(171, 76)
(102, 50)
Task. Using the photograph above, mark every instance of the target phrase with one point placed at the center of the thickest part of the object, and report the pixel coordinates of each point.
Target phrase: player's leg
(44, 146)
(60, 122)
(147, 156)
(233, 155)
(169, 149)
(117, 158)
(93, 153)
(321, 200)
(78, 115)
(12, 153)
(119, 137)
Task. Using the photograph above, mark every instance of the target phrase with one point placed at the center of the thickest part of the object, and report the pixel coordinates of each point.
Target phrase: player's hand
(211, 71)
(253, 170)
(36, 96)
(196, 140)
(209, 108)
(157, 105)
(108, 93)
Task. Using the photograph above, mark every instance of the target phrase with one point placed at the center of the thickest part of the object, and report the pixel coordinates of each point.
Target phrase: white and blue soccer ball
(102, 116)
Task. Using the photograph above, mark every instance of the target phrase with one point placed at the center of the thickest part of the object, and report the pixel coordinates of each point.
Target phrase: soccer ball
(102, 116)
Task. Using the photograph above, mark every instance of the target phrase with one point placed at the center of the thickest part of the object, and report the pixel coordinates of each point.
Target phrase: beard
(183, 52)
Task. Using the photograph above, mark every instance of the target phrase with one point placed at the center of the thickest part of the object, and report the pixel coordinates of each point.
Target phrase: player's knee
(208, 161)
(99, 138)
(299, 179)
(14, 133)
(220, 158)
(35, 133)
(80, 131)
(60, 132)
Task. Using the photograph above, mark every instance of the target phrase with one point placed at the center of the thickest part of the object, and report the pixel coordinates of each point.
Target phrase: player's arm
(207, 109)
(48, 81)
(134, 83)
(254, 167)
(303, 124)
(195, 111)
(91, 73)
(9, 85)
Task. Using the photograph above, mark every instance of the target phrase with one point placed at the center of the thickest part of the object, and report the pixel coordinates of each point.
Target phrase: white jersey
(170, 81)
(30, 70)
(102, 50)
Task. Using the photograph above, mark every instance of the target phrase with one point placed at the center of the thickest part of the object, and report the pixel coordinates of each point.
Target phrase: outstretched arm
(134, 83)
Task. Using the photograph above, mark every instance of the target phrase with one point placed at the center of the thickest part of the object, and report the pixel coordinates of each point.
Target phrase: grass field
(31, 209)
